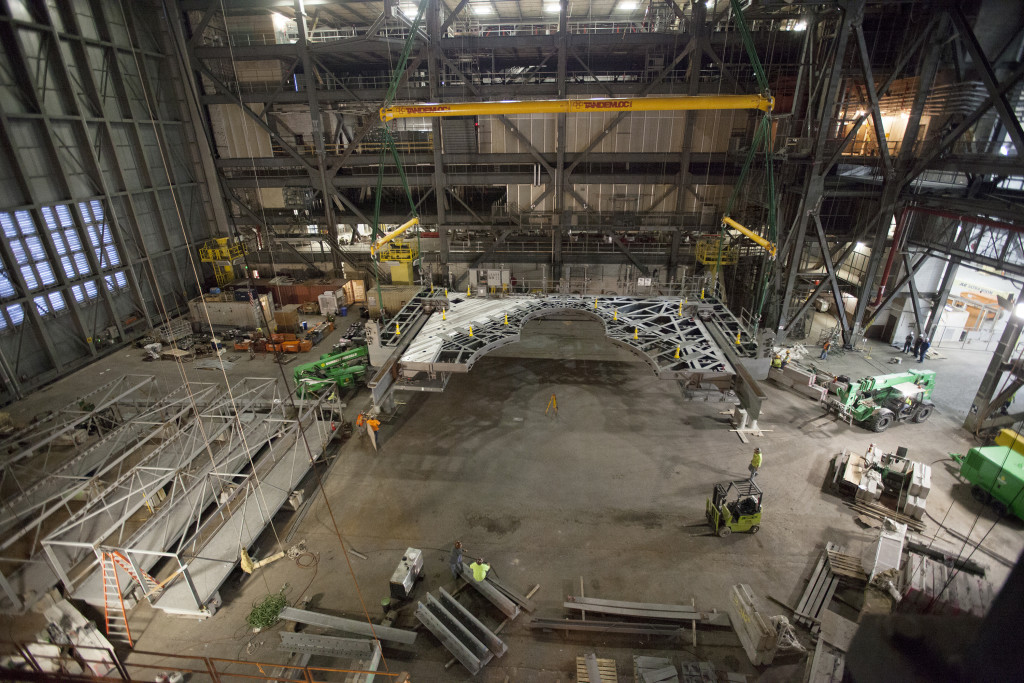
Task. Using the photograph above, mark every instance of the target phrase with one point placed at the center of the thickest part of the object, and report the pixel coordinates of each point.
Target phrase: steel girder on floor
(653, 329)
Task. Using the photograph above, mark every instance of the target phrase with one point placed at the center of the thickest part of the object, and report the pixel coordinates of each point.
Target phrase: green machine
(877, 402)
(341, 369)
(735, 506)
(996, 475)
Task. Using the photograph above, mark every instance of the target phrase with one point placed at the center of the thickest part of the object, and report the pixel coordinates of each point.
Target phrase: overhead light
(627, 6)
(1018, 310)
(553, 7)
(409, 10)
(860, 112)
(800, 26)
(483, 9)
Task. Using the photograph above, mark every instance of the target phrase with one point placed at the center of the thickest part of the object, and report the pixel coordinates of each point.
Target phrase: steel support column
(815, 184)
(434, 32)
(996, 367)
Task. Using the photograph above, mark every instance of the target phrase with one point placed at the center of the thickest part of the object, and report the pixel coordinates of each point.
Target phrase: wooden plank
(591, 669)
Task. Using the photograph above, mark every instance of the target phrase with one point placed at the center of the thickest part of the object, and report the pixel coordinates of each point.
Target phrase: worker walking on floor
(455, 560)
(917, 345)
(925, 345)
(480, 569)
(824, 349)
(755, 463)
(908, 343)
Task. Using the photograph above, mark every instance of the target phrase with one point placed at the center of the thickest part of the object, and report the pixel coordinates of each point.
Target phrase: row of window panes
(54, 302)
(35, 267)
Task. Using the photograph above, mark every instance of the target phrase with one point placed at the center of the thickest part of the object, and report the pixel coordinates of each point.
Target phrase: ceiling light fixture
(483, 9)
(627, 6)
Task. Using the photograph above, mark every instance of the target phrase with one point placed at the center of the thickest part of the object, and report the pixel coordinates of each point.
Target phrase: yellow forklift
(735, 506)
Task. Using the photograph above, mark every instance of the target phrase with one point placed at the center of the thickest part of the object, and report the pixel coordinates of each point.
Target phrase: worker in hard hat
(480, 569)
(755, 463)
(455, 559)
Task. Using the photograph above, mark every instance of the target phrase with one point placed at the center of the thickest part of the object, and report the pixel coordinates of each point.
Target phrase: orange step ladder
(115, 617)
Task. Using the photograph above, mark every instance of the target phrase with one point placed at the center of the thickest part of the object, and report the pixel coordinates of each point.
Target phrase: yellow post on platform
(552, 405)
(737, 339)
(470, 330)
(702, 294)
(506, 318)
(680, 307)
(615, 316)
(443, 314)
(445, 292)
(677, 353)
(636, 333)
(397, 331)
(468, 292)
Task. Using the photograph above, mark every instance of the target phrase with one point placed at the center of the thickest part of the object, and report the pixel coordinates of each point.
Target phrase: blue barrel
(305, 325)
(343, 311)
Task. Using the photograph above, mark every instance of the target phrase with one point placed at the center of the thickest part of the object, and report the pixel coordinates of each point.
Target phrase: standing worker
(925, 345)
(755, 463)
(455, 560)
(824, 349)
(908, 343)
(480, 569)
(917, 345)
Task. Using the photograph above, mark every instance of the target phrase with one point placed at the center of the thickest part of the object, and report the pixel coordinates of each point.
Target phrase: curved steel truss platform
(656, 330)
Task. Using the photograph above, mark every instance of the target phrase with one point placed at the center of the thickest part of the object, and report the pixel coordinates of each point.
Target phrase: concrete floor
(610, 492)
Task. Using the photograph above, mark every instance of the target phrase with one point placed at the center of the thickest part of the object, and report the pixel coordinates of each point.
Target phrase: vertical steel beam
(996, 366)
(894, 181)
(434, 66)
(563, 221)
(914, 301)
(830, 274)
(814, 187)
(981, 64)
(316, 121)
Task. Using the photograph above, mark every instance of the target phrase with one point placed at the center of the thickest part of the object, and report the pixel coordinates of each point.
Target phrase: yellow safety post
(580, 106)
(552, 405)
(677, 353)
(397, 331)
(468, 292)
(636, 333)
(680, 307)
(470, 330)
(702, 294)
(615, 316)
(737, 339)
(445, 292)
(443, 316)
(506, 318)
(595, 303)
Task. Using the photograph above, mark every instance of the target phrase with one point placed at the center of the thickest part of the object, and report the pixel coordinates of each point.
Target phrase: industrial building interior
(511, 340)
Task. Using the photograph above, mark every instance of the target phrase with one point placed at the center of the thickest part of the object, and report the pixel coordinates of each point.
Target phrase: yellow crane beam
(769, 247)
(579, 106)
(384, 239)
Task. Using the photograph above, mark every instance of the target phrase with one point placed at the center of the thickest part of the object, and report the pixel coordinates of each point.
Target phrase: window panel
(7, 290)
(41, 305)
(76, 291)
(30, 277)
(121, 279)
(91, 289)
(16, 313)
(56, 301)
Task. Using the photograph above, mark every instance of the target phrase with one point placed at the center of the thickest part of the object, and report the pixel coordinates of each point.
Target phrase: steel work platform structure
(69, 454)
(655, 330)
(162, 506)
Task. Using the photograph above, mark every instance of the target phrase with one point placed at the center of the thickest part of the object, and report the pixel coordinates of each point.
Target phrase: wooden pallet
(819, 591)
(847, 566)
(605, 666)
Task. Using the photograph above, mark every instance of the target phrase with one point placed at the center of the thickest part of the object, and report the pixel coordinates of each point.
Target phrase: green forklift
(735, 506)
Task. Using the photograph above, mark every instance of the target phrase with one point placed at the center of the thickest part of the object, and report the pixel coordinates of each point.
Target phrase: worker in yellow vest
(480, 569)
(755, 463)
